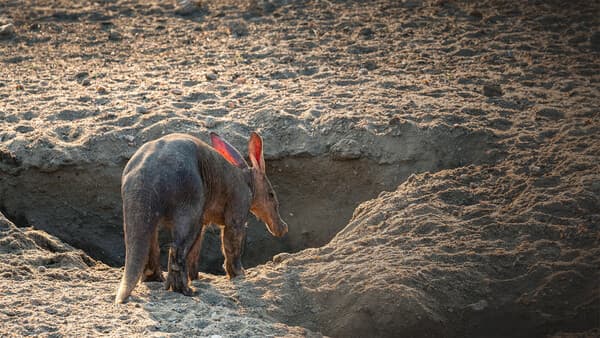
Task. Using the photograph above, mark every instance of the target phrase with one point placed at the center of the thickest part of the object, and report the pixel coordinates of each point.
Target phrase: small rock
(281, 257)
(141, 110)
(346, 149)
(114, 35)
(211, 76)
(466, 52)
(366, 33)
(51, 311)
(80, 76)
(101, 90)
(492, 90)
(189, 83)
(568, 87)
(478, 306)
(176, 91)
(41, 269)
(210, 122)
(7, 31)
(24, 129)
(363, 71)
(534, 169)
(185, 7)
(238, 29)
(550, 113)
(370, 65)
(128, 138)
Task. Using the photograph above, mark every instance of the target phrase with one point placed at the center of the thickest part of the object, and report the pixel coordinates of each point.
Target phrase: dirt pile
(476, 251)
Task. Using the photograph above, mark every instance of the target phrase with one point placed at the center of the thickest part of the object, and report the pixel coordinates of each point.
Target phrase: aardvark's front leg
(233, 238)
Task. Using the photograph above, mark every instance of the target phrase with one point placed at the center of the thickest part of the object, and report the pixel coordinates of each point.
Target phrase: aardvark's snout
(283, 229)
(278, 228)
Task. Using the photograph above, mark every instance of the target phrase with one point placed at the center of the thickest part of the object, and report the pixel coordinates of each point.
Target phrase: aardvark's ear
(255, 151)
(227, 151)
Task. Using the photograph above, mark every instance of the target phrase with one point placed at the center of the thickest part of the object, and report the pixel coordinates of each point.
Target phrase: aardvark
(185, 184)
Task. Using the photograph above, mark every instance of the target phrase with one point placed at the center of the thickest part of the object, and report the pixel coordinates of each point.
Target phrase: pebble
(478, 306)
(7, 30)
(51, 311)
(211, 76)
(492, 90)
(366, 33)
(114, 35)
(363, 71)
(41, 269)
(176, 91)
(346, 149)
(535, 170)
(466, 52)
(238, 29)
(210, 122)
(186, 6)
(550, 113)
(240, 80)
(141, 110)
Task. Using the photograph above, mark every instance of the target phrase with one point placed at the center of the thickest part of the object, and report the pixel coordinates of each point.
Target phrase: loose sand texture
(438, 163)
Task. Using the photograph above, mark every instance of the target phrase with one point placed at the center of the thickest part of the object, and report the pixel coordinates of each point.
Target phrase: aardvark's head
(264, 205)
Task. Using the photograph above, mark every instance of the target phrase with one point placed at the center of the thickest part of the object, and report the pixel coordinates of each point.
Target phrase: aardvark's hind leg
(185, 232)
(194, 255)
(152, 271)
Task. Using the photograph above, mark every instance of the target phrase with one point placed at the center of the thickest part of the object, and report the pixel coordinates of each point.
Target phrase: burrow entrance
(81, 204)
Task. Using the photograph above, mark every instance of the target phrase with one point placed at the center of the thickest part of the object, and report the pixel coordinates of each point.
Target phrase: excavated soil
(438, 163)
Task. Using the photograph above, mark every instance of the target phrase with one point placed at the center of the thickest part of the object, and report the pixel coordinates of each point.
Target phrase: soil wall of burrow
(81, 204)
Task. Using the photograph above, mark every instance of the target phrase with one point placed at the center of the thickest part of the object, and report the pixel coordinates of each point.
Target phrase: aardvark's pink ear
(227, 151)
(255, 151)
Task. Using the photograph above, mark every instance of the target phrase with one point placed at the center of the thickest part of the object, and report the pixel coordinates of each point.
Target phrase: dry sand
(493, 105)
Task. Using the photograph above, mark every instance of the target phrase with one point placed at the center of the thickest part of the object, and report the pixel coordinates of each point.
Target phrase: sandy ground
(494, 105)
